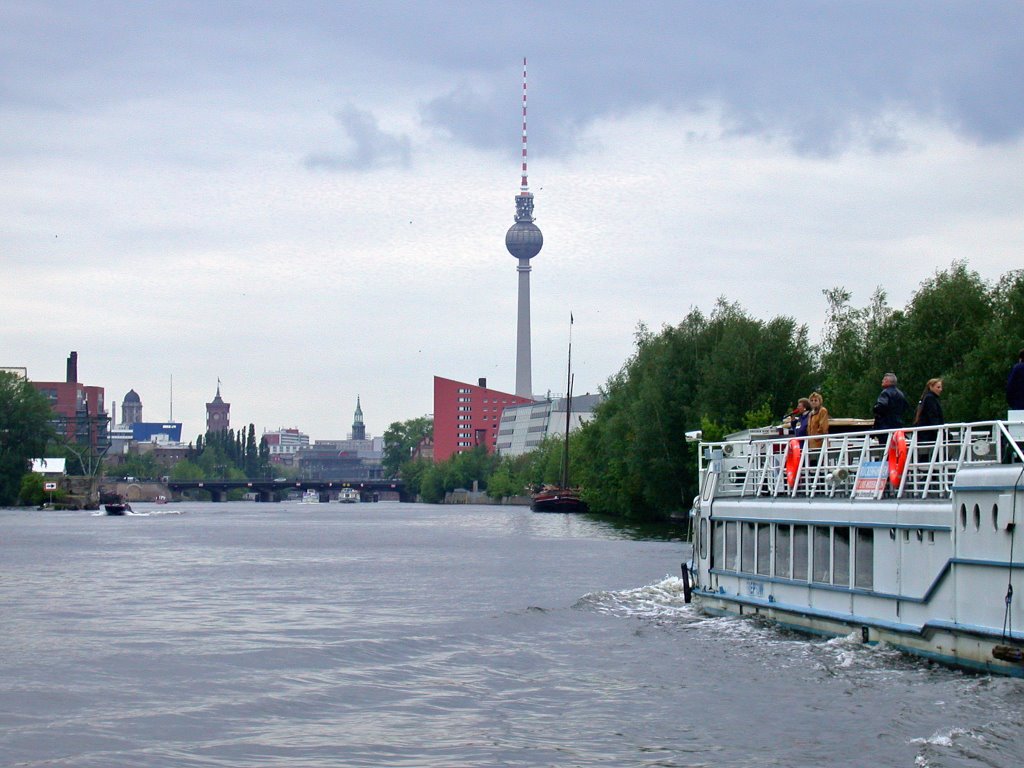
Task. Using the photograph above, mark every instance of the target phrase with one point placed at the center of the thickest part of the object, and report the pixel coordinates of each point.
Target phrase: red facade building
(467, 415)
(78, 410)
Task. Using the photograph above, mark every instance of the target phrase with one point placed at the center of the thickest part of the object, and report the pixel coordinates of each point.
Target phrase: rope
(1008, 610)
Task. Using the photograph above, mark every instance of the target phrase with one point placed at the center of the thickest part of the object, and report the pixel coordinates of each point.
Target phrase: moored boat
(908, 537)
(561, 497)
(310, 496)
(555, 498)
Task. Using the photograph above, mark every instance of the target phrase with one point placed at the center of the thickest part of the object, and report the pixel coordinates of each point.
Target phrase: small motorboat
(117, 508)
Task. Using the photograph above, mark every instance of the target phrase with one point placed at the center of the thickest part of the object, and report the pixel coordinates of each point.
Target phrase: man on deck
(890, 405)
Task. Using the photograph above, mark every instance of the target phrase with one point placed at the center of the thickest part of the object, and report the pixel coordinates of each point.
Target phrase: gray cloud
(370, 148)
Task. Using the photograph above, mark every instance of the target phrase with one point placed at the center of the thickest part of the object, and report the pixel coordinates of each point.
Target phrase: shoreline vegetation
(727, 371)
(718, 372)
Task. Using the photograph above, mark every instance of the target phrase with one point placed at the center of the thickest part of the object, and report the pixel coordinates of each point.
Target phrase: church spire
(358, 428)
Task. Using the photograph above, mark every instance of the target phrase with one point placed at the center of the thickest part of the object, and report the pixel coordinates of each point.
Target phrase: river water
(246, 634)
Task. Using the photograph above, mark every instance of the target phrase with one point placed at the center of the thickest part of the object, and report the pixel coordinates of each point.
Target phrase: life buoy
(792, 462)
(897, 457)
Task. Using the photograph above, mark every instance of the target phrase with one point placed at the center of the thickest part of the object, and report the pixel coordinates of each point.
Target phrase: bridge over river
(369, 490)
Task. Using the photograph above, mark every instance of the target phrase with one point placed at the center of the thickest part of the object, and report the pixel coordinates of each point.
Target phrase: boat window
(764, 549)
(892, 534)
(703, 533)
(920, 534)
(747, 548)
(931, 537)
(995, 517)
(822, 549)
(841, 556)
(731, 537)
(717, 551)
(963, 517)
(977, 517)
(783, 535)
(864, 565)
(800, 552)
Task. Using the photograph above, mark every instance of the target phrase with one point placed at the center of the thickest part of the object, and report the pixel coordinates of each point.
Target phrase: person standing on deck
(817, 424)
(1015, 385)
(890, 405)
(929, 411)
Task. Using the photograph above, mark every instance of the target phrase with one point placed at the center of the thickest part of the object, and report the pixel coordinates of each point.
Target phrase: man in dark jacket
(1015, 385)
(890, 405)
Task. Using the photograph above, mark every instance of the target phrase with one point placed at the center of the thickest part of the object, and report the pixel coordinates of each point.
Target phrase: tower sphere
(524, 240)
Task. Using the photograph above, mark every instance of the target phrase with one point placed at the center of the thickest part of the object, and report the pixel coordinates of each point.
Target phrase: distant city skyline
(306, 201)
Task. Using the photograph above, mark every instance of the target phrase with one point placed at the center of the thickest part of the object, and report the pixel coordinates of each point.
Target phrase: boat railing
(912, 463)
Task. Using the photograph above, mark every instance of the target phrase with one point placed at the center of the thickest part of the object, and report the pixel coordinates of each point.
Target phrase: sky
(307, 201)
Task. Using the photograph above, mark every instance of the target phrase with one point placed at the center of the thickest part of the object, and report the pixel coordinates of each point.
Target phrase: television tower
(524, 241)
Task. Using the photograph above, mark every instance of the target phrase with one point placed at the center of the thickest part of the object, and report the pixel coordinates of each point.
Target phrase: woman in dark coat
(929, 411)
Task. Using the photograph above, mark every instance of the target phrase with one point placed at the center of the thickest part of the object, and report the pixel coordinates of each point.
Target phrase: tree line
(726, 370)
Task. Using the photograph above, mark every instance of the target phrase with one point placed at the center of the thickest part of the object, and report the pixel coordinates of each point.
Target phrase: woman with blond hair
(817, 424)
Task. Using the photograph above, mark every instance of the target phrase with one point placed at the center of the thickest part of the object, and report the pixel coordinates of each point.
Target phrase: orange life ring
(792, 462)
(897, 457)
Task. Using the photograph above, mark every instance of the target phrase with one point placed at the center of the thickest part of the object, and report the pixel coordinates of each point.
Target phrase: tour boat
(907, 537)
(348, 496)
(310, 496)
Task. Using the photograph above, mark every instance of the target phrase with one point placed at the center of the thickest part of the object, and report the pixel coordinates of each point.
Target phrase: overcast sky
(308, 200)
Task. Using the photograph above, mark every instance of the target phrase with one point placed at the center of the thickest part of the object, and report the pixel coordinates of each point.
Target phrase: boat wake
(662, 600)
(147, 513)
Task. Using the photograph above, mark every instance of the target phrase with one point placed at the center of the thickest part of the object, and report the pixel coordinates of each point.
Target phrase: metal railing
(919, 462)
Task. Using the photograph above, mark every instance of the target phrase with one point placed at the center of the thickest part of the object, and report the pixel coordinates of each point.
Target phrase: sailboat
(561, 497)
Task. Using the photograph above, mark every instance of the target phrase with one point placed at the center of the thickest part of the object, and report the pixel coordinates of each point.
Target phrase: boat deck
(912, 463)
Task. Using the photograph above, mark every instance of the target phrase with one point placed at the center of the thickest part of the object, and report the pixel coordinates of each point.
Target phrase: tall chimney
(73, 368)
(482, 383)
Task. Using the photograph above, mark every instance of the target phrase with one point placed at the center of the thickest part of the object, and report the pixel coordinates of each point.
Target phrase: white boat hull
(925, 560)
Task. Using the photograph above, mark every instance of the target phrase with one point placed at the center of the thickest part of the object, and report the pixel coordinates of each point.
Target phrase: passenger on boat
(890, 405)
(817, 424)
(797, 420)
(1015, 385)
(929, 413)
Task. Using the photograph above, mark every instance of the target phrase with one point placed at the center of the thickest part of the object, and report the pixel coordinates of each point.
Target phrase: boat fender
(792, 462)
(687, 592)
(897, 457)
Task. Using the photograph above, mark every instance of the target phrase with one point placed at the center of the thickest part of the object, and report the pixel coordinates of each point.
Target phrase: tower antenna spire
(524, 241)
(524, 187)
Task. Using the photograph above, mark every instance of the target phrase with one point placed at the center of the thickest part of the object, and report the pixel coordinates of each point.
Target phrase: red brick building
(78, 410)
(467, 415)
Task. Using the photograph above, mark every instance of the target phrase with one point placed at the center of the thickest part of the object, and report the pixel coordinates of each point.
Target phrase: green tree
(400, 439)
(978, 388)
(25, 431)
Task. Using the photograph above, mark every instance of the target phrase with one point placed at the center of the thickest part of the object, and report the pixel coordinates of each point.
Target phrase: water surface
(248, 634)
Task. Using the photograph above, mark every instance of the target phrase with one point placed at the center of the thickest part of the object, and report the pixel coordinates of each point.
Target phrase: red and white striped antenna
(524, 187)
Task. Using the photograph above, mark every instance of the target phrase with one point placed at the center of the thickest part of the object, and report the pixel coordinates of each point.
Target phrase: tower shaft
(524, 374)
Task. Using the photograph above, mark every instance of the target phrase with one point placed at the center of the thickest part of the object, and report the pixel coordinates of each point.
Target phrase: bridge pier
(266, 495)
(218, 495)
